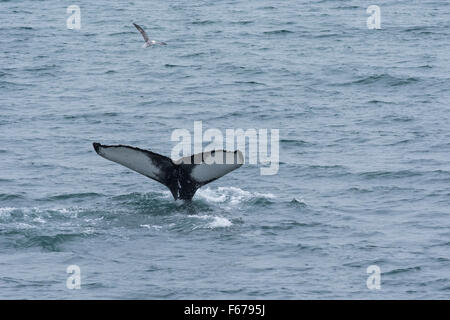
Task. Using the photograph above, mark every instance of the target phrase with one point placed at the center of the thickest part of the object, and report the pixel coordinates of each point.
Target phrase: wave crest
(231, 195)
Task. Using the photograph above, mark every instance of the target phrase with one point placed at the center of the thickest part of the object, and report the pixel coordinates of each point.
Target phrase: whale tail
(184, 176)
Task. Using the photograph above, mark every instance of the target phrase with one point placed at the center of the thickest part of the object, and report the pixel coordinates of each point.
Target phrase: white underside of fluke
(216, 165)
(133, 159)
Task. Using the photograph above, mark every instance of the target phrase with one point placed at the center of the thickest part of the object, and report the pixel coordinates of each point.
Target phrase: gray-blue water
(364, 149)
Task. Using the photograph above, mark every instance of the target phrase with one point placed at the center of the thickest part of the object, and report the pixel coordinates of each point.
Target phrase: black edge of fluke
(96, 146)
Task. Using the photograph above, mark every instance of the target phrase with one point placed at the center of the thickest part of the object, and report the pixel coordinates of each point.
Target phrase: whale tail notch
(184, 176)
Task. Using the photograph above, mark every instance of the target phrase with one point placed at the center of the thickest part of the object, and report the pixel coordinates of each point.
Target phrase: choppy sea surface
(364, 176)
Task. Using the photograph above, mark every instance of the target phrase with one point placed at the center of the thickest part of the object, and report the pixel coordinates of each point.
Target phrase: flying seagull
(148, 42)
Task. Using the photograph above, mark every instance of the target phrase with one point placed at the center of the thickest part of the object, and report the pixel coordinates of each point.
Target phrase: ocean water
(364, 174)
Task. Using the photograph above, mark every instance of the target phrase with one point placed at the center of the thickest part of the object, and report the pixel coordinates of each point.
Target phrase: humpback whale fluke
(184, 176)
(148, 42)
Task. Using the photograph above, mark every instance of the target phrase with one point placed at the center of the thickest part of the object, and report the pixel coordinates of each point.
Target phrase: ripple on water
(51, 243)
(383, 80)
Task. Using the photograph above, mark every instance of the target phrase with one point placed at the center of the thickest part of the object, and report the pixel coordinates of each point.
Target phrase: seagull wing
(144, 34)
